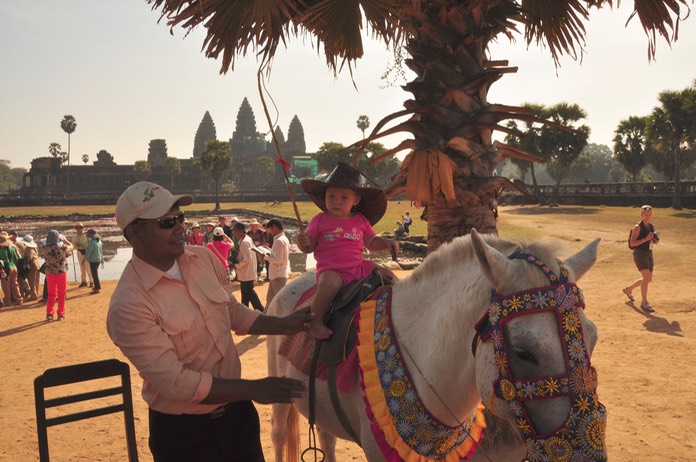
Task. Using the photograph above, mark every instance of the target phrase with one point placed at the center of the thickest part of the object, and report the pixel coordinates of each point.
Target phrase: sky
(127, 80)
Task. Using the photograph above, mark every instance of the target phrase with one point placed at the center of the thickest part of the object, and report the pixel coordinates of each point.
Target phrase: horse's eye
(524, 355)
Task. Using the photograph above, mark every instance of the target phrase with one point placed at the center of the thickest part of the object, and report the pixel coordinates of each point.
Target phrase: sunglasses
(167, 222)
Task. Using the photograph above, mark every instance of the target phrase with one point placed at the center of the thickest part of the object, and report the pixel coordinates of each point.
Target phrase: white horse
(435, 310)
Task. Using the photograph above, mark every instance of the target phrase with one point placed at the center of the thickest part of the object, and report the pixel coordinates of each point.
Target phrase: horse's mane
(460, 251)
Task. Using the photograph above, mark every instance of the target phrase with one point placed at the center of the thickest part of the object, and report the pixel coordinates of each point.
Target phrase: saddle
(335, 349)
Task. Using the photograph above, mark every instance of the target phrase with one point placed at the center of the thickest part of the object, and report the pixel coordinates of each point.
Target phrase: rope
(281, 160)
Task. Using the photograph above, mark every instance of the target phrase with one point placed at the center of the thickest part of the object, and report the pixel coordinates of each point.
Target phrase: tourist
(643, 238)
(400, 230)
(338, 234)
(21, 264)
(406, 221)
(246, 267)
(222, 223)
(171, 315)
(196, 237)
(8, 260)
(234, 255)
(94, 256)
(208, 235)
(221, 247)
(31, 253)
(278, 260)
(55, 252)
(257, 234)
(80, 242)
(187, 232)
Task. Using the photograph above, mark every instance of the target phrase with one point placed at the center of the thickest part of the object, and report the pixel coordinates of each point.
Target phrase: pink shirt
(221, 249)
(177, 334)
(340, 244)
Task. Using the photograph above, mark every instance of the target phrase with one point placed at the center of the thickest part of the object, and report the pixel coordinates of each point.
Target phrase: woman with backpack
(643, 238)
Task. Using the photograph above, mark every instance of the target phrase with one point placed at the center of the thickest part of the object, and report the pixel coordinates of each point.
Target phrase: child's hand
(303, 241)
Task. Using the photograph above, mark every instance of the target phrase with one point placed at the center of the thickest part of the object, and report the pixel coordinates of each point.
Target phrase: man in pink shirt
(171, 316)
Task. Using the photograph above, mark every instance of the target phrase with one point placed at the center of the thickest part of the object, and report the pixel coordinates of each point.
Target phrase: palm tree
(68, 125)
(142, 170)
(630, 145)
(563, 147)
(54, 149)
(172, 167)
(527, 140)
(671, 134)
(363, 124)
(452, 154)
(216, 160)
(85, 158)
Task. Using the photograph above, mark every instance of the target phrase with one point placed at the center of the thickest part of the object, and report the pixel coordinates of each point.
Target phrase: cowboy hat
(373, 202)
(254, 221)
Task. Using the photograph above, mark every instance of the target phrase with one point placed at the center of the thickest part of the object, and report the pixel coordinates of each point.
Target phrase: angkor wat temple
(50, 179)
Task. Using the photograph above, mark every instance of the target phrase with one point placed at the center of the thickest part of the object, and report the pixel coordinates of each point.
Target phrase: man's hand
(277, 390)
(298, 321)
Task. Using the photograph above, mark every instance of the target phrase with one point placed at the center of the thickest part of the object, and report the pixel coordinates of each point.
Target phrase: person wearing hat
(196, 237)
(350, 206)
(171, 315)
(8, 259)
(95, 257)
(221, 246)
(208, 235)
(80, 242)
(31, 253)
(55, 253)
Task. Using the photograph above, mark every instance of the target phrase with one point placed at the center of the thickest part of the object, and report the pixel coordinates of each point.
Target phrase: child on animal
(338, 233)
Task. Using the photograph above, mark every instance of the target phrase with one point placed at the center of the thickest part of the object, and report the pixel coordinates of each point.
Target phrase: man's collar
(151, 275)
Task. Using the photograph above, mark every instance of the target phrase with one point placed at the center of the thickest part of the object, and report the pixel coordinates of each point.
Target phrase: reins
(403, 347)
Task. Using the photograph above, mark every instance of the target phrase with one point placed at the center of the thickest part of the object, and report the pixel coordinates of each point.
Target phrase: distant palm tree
(172, 167)
(630, 145)
(363, 124)
(54, 149)
(448, 116)
(216, 160)
(142, 170)
(85, 158)
(68, 125)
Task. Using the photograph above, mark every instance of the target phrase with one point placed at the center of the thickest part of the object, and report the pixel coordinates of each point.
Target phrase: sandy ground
(647, 376)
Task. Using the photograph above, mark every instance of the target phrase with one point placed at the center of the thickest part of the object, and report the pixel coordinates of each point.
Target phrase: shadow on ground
(542, 210)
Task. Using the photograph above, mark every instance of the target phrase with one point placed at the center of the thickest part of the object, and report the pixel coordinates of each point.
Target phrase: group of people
(21, 267)
(244, 250)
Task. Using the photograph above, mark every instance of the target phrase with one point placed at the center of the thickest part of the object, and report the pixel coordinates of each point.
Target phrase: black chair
(80, 373)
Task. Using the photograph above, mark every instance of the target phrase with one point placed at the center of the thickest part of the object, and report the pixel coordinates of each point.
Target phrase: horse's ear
(493, 263)
(583, 260)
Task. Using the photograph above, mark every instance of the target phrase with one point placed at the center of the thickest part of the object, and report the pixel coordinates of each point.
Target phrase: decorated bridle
(581, 437)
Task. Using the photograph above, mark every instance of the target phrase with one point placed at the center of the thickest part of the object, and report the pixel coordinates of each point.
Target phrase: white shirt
(246, 268)
(279, 258)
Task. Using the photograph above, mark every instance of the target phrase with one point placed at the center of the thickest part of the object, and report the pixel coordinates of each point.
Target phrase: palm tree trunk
(217, 193)
(676, 199)
(556, 188)
(535, 187)
(444, 223)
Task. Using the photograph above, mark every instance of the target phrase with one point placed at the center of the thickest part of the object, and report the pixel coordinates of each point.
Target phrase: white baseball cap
(146, 200)
(218, 231)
